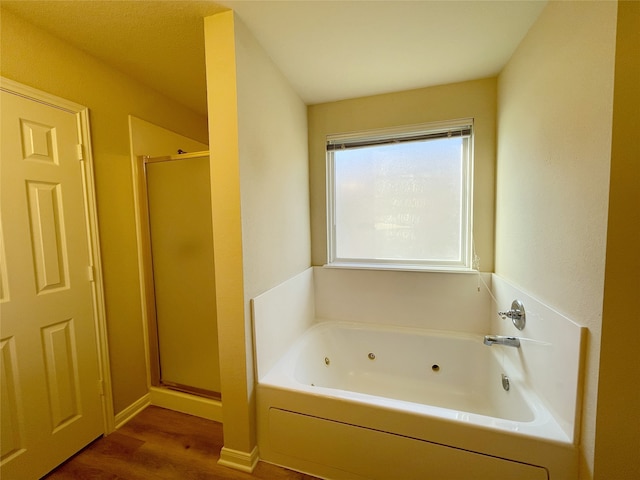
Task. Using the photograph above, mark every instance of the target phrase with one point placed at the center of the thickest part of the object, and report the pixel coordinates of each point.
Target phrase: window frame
(405, 133)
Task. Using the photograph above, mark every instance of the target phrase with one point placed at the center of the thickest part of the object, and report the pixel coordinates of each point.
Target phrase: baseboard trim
(238, 460)
(132, 410)
(186, 403)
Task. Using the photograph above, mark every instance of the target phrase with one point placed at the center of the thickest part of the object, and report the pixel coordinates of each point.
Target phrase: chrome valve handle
(516, 314)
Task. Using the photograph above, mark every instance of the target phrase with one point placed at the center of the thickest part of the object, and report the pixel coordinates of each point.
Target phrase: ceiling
(328, 50)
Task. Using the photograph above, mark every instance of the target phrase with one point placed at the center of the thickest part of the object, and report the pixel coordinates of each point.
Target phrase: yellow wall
(35, 58)
(617, 446)
(475, 99)
(554, 146)
(260, 196)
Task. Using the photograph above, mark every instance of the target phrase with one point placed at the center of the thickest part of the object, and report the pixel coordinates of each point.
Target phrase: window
(401, 198)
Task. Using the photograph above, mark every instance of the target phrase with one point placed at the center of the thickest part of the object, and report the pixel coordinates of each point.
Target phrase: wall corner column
(237, 401)
(617, 422)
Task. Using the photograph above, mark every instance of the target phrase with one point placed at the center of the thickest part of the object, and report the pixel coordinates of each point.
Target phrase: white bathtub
(354, 401)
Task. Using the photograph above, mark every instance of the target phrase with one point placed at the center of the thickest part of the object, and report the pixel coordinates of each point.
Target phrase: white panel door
(51, 403)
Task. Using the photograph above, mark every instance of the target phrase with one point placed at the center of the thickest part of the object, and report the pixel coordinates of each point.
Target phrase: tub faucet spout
(501, 340)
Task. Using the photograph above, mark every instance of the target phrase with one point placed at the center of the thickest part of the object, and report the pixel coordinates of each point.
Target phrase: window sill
(400, 267)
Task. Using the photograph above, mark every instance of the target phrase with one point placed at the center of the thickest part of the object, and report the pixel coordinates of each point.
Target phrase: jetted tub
(354, 401)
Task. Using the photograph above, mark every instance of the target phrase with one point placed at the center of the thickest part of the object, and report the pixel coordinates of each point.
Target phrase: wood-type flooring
(162, 444)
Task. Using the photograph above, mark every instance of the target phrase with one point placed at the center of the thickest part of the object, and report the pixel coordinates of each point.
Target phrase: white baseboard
(185, 403)
(238, 460)
(132, 410)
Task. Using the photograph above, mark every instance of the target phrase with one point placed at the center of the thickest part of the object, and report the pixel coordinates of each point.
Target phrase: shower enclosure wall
(179, 273)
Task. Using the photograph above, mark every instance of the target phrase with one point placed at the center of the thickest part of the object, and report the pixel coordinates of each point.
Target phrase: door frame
(91, 219)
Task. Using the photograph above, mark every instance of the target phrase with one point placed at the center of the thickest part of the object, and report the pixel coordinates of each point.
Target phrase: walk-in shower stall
(179, 273)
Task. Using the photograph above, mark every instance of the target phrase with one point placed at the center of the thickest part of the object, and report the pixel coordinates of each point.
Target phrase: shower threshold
(200, 392)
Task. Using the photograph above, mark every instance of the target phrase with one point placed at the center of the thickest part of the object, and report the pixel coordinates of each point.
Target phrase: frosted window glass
(400, 201)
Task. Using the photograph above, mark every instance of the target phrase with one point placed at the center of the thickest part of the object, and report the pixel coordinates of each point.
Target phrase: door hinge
(101, 387)
(92, 273)
(80, 151)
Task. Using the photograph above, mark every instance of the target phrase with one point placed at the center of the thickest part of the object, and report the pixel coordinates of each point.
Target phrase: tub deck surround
(324, 405)
(434, 300)
(551, 353)
(280, 316)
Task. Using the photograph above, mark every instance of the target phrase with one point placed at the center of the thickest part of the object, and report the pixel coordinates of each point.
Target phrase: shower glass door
(181, 247)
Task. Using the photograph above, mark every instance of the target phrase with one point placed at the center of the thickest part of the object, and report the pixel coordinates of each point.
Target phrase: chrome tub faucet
(502, 340)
